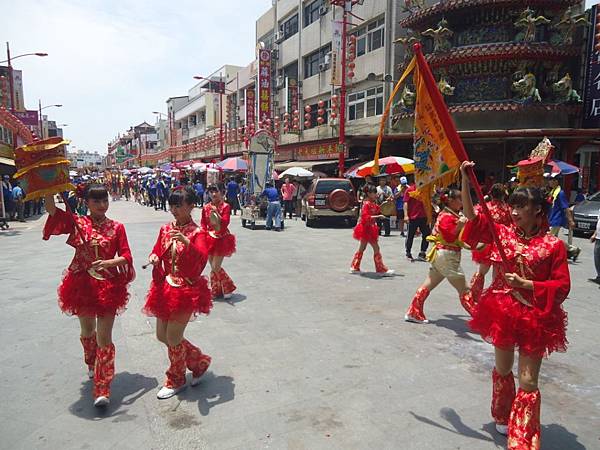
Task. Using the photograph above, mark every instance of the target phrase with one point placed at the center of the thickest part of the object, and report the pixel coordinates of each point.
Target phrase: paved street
(305, 356)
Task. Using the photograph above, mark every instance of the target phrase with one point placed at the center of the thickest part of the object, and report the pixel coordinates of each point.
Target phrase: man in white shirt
(596, 239)
(384, 193)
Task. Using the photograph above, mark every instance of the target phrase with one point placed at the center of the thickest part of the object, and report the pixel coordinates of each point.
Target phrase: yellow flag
(436, 164)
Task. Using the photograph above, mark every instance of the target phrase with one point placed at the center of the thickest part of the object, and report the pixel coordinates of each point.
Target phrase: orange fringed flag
(436, 163)
(42, 168)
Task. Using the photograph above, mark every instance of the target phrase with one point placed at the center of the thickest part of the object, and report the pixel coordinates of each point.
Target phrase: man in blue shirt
(199, 188)
(233, 190)
(274, 207)
(561, 216)
(163, 193)
(19, 199)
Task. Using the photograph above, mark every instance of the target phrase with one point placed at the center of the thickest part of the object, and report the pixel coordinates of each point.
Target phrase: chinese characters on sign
(250, 108)
(326, 150)
(336, 52)
(292, 98)
(264, 85)
(591, 118)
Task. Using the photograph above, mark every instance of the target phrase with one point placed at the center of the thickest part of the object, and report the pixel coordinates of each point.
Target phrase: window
(290, 27)
(369, 37)
(367, 103)
(312, 61)
(311, 12)
(291, 70)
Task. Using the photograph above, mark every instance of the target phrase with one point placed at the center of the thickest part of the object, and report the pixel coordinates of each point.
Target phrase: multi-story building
(85, 160)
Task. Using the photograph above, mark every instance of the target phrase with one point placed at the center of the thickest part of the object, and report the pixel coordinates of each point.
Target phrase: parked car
(585, 214)
(330, 197)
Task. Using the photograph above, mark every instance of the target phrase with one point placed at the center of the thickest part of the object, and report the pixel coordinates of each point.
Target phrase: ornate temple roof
(453, 5)
(501, 50)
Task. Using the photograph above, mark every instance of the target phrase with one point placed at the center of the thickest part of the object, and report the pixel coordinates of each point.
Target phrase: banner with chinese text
(264, 85)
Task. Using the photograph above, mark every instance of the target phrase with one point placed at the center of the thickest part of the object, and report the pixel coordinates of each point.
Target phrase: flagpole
(455, 141)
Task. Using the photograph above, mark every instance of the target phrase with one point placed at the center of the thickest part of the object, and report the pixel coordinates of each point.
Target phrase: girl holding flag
(444, 257)
(522, 307)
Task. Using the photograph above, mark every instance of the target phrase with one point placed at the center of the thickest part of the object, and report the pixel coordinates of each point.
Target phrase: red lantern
(307, 116)
(353, 39)
(320, 120)
(286, 115)
(351, 65)
(352, 48)
(296, 127)
(307, 108)
(306, 124)
(296, 120)
(350, 74)
(334, 97)
(296, 112)
(321, 104)
(321, 112)
(333, 114)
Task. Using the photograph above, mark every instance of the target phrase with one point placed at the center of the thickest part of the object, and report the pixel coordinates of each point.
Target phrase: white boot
(167, 392)
(101, 401)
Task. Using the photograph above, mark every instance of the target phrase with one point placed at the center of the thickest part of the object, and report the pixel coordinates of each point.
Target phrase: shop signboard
(591, 116)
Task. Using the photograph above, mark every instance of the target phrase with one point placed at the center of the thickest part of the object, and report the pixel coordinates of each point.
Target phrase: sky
(111, 63)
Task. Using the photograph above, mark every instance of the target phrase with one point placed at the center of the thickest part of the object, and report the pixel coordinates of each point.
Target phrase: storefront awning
(304, 164)
(7, 161)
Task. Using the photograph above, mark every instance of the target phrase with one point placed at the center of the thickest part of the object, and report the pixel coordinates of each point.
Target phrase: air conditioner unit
(274, 54)
(323, 10)
(279, 82)
(323, 67)
(279, 37)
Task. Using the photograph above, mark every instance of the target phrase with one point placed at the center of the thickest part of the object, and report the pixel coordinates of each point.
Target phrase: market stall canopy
(296, 172)
(304, 164)
(560, 167)
(145, 170)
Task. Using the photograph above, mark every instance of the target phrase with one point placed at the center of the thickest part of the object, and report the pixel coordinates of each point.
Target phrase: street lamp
(11, 80)
(220, 91)
(40, 109)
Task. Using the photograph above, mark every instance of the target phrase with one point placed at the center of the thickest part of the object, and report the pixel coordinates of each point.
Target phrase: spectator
(162, 191)
(561, 216)
(233, 189)
(199, 188)
(7, 195)
(399, 196)
(274, 207)
(19, 199)
(300, 192)
(152, 188)
(384, 194)
(414, 214)
(596, 240)
(580, 197)
(288, 193)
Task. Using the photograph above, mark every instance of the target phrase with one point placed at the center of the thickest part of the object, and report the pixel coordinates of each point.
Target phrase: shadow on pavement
(126, 388)
(456, 323)
(235, 298)
(212, 391)
(456, 423)
(557, 437)
(376, 276)
(10, 232)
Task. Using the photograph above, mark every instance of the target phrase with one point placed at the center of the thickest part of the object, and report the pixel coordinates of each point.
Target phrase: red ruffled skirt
(81, 295)
(366, 232)
(506, 323)
(224, 246)
(165, 301)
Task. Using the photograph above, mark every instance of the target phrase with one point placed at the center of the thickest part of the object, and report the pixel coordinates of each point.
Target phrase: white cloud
(111, 63)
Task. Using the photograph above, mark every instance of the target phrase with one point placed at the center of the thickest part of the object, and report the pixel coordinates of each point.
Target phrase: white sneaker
(414, 319)
(389, 273)
(101, 401)
(354, 271)
(502, 429)
(227, 296)
(167, 392)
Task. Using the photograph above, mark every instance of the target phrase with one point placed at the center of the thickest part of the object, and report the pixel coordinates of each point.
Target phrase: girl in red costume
(94, 287)
(521, 309)
(367, 232)
(219, 242)
(500, 212)
(178, 291)
(444, 257)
